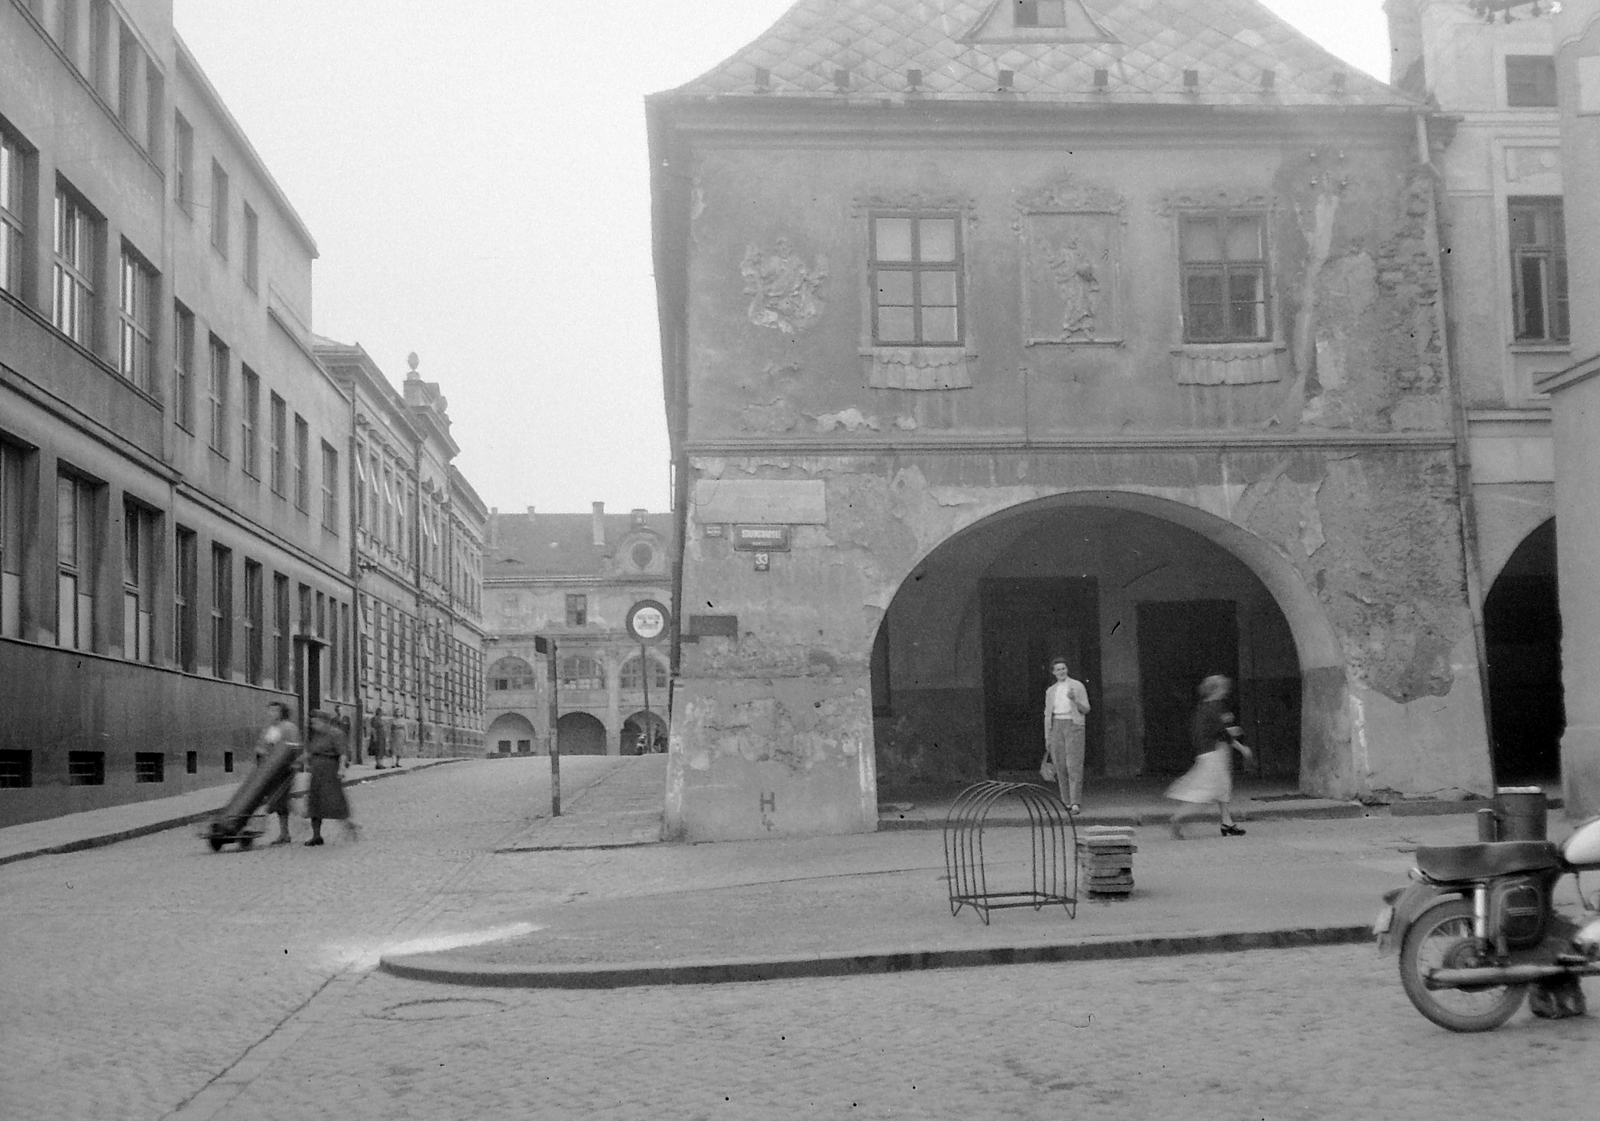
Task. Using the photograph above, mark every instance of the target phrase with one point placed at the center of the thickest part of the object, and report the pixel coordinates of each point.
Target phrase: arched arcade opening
(581, 733)
(511, 734)
(1522, 630)
(1144, 597)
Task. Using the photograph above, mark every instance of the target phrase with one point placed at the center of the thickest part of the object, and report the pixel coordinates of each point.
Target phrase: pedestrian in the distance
(1066, 703)
(1215, 738)
(375, 739)
(325, 798)
(280, 731)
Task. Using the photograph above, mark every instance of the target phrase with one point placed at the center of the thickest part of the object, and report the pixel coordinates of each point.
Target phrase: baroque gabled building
(570, 579)
(1000, 329)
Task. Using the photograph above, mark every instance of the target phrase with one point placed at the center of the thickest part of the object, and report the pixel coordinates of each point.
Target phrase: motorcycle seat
(1455, 863)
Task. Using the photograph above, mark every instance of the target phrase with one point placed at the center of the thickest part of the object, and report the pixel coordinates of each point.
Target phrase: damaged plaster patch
(775, 416)
(851, 420)
(1311, 535)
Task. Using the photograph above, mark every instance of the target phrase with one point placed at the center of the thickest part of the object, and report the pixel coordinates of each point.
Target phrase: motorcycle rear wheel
(1442, 938)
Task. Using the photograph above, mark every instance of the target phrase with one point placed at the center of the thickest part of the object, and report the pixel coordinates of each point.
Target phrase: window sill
(919, 367)
(1532, 347)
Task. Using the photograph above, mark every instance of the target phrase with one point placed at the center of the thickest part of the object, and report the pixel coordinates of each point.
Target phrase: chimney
(530, 513)
(1407, 71)
(599, 525)
(494, 526)
(639, 516)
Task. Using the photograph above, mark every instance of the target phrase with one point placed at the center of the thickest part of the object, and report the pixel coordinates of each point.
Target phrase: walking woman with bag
(324, 752)
(1214, 736)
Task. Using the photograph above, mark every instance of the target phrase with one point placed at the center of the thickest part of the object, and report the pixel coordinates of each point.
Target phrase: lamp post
(547, 647)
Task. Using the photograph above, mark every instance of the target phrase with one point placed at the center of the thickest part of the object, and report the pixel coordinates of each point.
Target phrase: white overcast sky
(474, 172)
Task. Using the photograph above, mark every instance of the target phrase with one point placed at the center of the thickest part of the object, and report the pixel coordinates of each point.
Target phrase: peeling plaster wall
(1331, 476)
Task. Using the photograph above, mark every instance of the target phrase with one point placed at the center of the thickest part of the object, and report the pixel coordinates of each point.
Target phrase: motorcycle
(1479, 927)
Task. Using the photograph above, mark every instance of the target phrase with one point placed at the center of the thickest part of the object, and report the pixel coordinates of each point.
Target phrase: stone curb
(137, 831)
(887, 824)
(448, 970)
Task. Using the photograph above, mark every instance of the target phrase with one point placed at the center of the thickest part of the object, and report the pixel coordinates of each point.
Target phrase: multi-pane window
(219, 208)
(282, 628)
(250, 422)
(72, 306)
(138, 566)
(1040, 13)
(302, 463)
(77, 556)
(217, 395)
(11, 522)
(12, 242)
(1225, 278)
(916, 280)
(127, 76)
(631, 677)
(135, 351)
(252, 248)
(577, 611)
(185, 586)
(580, 671)
(1539, 270)
(1530, 81)
(221, 611)
(183, 162)
(330, 487)
(254, 612)
(183, 367)
(510, 675)
(279, 450)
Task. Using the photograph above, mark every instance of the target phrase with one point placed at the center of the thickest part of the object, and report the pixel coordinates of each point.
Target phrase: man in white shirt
(1065, 704)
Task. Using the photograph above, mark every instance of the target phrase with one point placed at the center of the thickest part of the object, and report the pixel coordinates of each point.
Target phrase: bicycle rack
(1052, 860)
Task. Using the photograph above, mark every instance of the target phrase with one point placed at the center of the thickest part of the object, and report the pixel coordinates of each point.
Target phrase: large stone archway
(511, 734)
(1144, 593)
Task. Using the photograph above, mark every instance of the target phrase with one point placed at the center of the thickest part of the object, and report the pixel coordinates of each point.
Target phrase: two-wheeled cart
(244, 818)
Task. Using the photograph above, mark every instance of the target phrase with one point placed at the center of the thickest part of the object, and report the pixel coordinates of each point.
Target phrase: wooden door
(1026, 622)
(1180, 644)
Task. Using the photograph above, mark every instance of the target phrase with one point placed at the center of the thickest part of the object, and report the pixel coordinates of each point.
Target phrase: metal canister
(1523, 813)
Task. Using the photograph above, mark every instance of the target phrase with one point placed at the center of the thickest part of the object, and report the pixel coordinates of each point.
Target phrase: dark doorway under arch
(1522, 629)
(648, 729)
(581, 733)
(1141, 605)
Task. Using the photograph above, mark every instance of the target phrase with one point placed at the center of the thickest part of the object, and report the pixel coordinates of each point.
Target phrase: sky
(476, 177)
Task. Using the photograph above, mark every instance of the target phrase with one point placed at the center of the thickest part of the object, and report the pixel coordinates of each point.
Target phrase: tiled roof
(558, 544)
(961, 47)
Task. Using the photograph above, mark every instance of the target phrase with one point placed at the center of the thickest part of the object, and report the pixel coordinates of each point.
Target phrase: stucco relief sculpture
(1072, 257)
(782, 287)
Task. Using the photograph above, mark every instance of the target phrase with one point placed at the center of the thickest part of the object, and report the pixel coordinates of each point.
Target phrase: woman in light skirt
(1214, 736)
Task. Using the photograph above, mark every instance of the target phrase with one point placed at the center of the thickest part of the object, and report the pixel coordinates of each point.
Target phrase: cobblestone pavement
(1270, 1034)
(134, 974)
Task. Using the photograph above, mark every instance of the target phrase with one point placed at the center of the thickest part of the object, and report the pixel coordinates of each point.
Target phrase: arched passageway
(1144, 597)
(511, 734)
(580, 733)
(1522, 630)
(646, 729)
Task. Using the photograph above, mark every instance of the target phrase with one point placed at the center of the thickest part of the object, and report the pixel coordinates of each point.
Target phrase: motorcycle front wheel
(1442, 939)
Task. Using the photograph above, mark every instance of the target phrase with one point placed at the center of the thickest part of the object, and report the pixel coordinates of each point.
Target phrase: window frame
(16, 163)
(183, 328)
(219, 372)
(221, 611)
(183, 163)
(577, 609)
(658, 680)
(1227, 267)
(219, 209)
(252, 248)
(136, 328)
(302, 464)
(253, 620)
(249, 422)
(185, 590)
(278, 450)
(1550, 258)
(282, 632)
(918, 268)
(81, 567)
(75, 267)
(1536, 87)
(330, 487)
(140, 531)
(13, 534)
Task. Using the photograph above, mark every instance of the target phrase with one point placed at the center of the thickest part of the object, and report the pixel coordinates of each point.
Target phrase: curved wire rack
(1052, 861)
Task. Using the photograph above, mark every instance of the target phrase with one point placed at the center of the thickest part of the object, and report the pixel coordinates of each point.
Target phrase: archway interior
(511, 734)
(581, 733)
(1522, 629)
(1142, 609)
(644, 733)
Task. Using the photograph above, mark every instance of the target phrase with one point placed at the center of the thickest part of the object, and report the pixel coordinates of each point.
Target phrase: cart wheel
(246, 842)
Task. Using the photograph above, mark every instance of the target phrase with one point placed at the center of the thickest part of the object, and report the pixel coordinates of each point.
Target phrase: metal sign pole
(649, 741)
(547, 647)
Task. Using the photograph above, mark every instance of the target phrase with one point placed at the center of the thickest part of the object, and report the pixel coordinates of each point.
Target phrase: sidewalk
(95, 828)
(1310, 872)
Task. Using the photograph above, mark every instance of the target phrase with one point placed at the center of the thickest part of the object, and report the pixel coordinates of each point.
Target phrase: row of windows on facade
(78, 233)
(576, 671)
(88, 768)
(83, 622)
(918, 277)
(391, 511)
(105, 52)
(405, 657)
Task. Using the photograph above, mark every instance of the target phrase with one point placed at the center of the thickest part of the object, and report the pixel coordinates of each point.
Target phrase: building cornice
(1571, 376)
(1085, 444)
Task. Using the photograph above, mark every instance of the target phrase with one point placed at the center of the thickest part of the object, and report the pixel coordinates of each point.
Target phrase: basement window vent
(191, 763)
(149, 766)
(16, 769)
(86, 768)
(227, 762)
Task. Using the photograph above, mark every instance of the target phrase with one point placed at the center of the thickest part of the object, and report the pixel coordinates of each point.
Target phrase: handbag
(299, 788)
(1047, 769)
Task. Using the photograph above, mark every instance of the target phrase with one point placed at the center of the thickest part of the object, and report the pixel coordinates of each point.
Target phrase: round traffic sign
(648, 620)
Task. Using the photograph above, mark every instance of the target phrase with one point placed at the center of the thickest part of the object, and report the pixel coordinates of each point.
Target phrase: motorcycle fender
(1409, 906)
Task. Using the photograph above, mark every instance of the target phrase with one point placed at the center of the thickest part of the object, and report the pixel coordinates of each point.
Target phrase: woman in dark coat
(324, 752)
(1215, 739)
